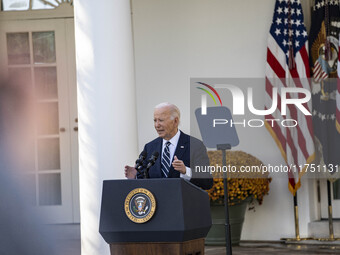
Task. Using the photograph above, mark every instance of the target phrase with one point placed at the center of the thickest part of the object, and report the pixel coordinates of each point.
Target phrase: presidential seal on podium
(140, 205)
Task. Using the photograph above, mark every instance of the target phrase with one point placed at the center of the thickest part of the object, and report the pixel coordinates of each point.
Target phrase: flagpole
(330, 211)
(296, 216)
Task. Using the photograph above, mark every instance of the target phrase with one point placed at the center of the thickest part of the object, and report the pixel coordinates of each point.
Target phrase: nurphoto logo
(282, 99)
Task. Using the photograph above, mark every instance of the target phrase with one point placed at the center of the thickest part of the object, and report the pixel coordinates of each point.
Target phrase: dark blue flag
(324, 45)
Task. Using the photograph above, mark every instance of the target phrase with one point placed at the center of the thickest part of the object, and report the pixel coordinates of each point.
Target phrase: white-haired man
(179, 152)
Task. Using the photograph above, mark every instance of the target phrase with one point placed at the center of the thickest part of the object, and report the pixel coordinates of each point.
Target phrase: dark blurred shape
(21, 229)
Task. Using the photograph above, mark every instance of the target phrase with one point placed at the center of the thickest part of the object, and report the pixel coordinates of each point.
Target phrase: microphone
(151, 161)
(140, 161)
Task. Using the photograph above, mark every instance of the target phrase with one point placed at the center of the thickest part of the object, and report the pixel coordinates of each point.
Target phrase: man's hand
(179, 165)
(130, 172)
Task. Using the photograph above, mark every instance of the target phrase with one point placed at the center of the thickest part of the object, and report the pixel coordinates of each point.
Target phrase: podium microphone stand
(223, 148)
(222, 137)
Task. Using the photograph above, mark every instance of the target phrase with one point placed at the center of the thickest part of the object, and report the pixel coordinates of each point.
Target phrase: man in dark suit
(179, 152)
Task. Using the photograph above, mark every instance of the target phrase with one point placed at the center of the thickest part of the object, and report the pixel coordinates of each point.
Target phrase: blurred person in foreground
(179, 153)
(21, 229)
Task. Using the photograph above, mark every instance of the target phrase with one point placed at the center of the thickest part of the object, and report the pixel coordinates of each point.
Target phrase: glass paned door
(35, 53)
(336, 190)
(335, 196)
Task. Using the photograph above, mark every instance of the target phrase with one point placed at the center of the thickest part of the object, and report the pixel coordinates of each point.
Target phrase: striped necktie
(166, 162)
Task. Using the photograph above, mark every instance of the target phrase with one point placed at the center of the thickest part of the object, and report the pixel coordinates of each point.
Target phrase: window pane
(27, 159)
(48, 119)
(48, 154)
(336, 189)
(49, 189)
(15, 5)
(46, 82)
(18, 48)
(20, 77)
(43, 47)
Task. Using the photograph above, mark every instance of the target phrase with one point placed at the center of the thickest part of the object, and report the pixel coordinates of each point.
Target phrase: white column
(106, 106)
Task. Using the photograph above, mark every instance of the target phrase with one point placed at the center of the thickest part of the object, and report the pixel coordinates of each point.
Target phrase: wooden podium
(154, 216)
(193, 247)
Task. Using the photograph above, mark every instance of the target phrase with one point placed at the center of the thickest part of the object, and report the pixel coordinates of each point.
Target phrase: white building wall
(175, 40)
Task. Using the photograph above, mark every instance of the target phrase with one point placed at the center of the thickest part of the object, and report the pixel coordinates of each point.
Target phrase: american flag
(288, 66)
(319, 71)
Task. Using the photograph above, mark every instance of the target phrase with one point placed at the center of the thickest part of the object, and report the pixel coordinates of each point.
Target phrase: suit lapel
(182, 146)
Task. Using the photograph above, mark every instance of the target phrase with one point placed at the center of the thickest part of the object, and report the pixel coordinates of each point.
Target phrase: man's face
(165, 126)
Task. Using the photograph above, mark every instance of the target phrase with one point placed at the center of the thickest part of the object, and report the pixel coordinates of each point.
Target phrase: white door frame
(65, 55)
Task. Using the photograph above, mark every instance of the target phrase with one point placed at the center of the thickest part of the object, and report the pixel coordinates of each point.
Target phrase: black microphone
(140, 161)
(151, 161)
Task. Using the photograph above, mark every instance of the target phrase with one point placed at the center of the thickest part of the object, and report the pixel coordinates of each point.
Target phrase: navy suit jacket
(191, 151)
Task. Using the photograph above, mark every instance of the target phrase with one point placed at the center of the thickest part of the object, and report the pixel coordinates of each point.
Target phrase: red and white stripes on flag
(319, 73)
(337, 123)
(287, 44)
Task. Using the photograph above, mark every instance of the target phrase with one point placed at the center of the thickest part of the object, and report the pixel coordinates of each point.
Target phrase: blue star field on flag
(288, 26)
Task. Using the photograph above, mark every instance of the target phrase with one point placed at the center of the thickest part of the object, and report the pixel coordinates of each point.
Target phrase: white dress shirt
(172, 149)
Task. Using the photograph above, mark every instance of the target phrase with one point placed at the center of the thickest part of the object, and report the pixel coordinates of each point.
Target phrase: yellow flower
(240, 185)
